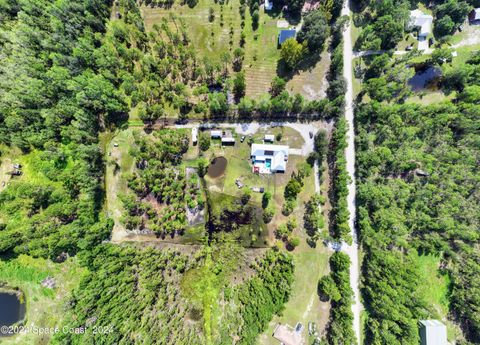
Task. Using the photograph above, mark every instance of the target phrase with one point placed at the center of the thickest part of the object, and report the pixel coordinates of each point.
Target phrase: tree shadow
(306, 65)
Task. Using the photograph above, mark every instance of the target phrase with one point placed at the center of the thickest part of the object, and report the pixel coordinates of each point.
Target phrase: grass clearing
(45, 307)
(433, 286)
(212, 39)
(304, 304)
(119, 163)
(430, 97)
(311, 264)
(434, 289)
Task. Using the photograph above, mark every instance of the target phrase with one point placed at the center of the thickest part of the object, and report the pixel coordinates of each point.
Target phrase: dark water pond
(426, 77)
(11, 309)
(217, 167)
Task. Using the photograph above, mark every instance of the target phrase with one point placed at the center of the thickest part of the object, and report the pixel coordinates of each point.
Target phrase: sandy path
(351, 250)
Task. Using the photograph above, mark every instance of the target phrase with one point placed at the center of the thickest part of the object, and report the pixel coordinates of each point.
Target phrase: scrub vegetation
(417, 193)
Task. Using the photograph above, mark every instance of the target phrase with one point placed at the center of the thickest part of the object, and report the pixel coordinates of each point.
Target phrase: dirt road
(351, 250)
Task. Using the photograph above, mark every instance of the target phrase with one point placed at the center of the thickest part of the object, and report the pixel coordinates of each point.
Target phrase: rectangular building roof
(287, 336)
(475, 14)
(421, 20)
(433, 332)
(215, 133)
(277, 154)
(285, 35)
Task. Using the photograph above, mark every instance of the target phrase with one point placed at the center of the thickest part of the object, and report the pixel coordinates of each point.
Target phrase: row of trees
(339, 214)
(335, 287)
(294, 187)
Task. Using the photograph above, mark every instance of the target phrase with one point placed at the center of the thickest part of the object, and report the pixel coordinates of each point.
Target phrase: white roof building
(216, 134)
(268, 5)
(433, 332)
(228, 140)
(422, 21)
(269, 137)
(194, 135)
(474, 15)
(267, 158)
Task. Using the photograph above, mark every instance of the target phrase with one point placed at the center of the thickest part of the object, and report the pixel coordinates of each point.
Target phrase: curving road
(351, 250)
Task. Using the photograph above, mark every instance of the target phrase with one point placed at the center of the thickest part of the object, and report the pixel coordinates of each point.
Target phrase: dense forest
(418, 171)
(53, 112)
(139, 295)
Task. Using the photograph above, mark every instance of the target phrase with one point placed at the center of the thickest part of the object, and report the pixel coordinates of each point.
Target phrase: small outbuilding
(215, 134)
(228, 140)
(287, 336)
(269, 138)
(268, 5)
(285, 35)
(432, 332)
(474, 16)
(194, 135)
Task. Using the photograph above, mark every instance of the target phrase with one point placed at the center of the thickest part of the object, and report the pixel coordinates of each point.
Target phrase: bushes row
(336, 288)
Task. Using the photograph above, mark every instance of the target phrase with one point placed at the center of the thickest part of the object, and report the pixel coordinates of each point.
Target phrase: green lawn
(434, 290)
(429, 97)
(45, 307)
(119, 163)
(304, 304)
(239, 165)
(311, 264)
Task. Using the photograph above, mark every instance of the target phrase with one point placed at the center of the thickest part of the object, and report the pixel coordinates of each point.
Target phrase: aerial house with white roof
(268, 158)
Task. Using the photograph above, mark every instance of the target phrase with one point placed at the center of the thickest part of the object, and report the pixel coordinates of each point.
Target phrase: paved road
(351, 250)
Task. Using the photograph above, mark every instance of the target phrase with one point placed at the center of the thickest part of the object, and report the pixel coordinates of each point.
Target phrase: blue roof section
(286, 34)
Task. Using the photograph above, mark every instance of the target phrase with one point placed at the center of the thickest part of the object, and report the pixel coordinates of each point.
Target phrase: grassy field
(304, 305)
(212, 39)
(311, 82)
(311, 264)
(430, 97)
(45, 307)
(434, 290)
(119, 162)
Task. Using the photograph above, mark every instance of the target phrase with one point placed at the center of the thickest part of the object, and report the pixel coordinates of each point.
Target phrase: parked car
(310, 134)
(299, 327)
(242, 139)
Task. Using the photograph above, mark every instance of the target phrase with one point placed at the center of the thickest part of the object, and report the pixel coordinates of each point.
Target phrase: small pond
(12, 309)
(426, 77)
(217, 167)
